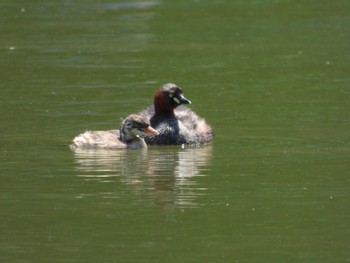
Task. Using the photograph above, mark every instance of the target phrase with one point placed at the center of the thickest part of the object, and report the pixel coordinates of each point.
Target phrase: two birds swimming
(167, 122)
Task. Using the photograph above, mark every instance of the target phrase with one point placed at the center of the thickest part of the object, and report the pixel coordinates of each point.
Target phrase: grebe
(131, 128)
(175, 123)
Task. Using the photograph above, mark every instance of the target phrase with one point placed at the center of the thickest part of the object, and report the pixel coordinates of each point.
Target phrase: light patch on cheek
(137, 132)
(176, 100)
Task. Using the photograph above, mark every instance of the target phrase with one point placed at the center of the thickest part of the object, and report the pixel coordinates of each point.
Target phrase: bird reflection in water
(166, 174)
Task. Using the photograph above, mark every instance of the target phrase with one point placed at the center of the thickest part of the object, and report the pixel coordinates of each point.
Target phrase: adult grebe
(175, 123)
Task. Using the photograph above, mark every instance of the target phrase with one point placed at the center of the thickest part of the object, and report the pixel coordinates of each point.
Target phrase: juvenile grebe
(175, 123)
(131, 129)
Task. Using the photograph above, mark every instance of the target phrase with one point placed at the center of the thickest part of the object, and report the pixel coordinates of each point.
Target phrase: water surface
(272, 79)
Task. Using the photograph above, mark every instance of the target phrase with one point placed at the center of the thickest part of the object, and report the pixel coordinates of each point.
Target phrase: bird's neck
(137, 143)
(162, 113)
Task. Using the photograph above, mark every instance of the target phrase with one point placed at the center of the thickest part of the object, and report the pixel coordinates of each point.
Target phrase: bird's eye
(128, 125)
(171, 95)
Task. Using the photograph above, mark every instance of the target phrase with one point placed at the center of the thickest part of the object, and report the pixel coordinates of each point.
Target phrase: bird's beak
(150, 130)
(181, 100)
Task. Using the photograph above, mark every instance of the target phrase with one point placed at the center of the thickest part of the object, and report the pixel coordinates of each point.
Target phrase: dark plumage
(175, 123)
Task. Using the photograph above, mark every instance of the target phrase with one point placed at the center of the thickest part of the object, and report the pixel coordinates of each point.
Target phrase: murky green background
(271, 76)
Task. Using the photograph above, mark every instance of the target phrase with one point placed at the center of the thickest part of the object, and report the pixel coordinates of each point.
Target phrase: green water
(271, 77)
